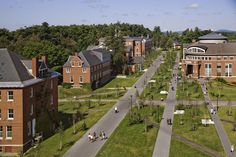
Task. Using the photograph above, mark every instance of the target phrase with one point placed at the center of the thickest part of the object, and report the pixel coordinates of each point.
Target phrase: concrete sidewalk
(110, 121)
(162, 145)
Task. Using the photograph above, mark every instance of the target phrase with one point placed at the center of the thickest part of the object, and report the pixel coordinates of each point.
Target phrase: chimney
(76, 54)
(35, 67)
(45, 59)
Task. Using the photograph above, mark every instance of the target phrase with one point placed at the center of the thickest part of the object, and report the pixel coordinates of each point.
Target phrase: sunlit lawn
(222, 113)
(189, 90)
(203, 135)
(179, 149)
(50, 146)
(131, 140)
(226, 91)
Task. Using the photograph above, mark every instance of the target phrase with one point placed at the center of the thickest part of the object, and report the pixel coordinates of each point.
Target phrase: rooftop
(212, 36)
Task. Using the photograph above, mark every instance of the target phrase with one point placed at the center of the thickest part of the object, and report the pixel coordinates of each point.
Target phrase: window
(209, 58)
(225, 57)
(51, 101)
(218, 69)
(231, 57)
(31, 92)
(218, 57)
(79, 64)
(31, 109)
(10, 114)
(228, 70)
(9, 132)
(10, 96)
(29, 128)
(84, 69)
(71, 79)
(67, 70)
(51, 84)
(1, 132)
(207, 70)
(81, 80)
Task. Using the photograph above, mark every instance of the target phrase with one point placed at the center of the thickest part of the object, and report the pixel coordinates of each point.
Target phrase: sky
(175, 15)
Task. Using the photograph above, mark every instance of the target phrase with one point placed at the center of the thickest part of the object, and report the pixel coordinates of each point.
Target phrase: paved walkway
(162, 145)
(219, 128)
(110, 121)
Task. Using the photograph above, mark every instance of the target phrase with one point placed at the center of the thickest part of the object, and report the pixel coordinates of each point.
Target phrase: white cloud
(193, 6)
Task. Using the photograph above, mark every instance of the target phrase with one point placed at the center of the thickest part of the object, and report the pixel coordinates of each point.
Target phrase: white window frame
(68, 70)
(9, 95)
(8, 138)
(84, 69)
(31, 92)
(80, 79)
(1, 131)
(8, 113)
(71, 79)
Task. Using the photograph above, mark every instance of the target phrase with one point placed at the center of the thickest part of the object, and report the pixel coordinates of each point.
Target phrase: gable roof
(11, 67)
(91, 57)
(212, 36)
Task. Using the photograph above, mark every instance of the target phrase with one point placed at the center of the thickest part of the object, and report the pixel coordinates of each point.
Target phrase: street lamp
(131, 102)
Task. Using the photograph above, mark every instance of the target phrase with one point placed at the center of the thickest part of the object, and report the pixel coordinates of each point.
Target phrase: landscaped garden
(76, 118)
(188, 127)
(227, 115)
(136, 135)
(161, 78)
(221, 89)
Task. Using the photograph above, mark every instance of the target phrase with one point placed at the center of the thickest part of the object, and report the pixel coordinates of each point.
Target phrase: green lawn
(49, 147)
(179, 149)
(131, 140)
(226, 91)
(203, 135)
(162, 77)
(189, 90)
(222, 113)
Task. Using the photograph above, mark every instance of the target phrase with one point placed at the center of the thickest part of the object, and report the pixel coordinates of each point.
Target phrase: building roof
(212, 36)
(136, 38)
(12, 69)
(91, 57)
(217, 49)
(15, 71)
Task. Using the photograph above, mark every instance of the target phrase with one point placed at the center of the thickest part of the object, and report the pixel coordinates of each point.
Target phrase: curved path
(110, 121)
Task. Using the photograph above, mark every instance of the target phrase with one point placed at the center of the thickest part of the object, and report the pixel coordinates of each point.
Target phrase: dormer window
(79, 64)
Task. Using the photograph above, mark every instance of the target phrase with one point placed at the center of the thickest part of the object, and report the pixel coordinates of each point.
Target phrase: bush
(66, 85)
(220, 80)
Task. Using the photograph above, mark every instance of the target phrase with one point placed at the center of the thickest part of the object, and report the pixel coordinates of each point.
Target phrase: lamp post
(131, 103)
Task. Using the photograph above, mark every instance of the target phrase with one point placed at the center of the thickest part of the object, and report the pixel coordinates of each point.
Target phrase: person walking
(232, 148)
(103, 135)
(100, 135)
(116, 110)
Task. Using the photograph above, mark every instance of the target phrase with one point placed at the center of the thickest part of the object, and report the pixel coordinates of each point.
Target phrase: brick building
(88, 67)
(212, 56)
(28, 91)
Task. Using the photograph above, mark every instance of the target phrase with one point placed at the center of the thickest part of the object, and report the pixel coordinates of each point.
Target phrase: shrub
(220, 80)
(66, 85)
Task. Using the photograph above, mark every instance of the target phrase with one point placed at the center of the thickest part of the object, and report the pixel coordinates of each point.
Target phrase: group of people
(93, 137)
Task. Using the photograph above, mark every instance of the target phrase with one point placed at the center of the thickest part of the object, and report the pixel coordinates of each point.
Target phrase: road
(162, 145)
(110, 121)
(219, 128)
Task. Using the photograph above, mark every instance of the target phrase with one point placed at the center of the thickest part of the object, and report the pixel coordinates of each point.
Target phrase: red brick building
(88, 67)
(28, 92)
(212, 56)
